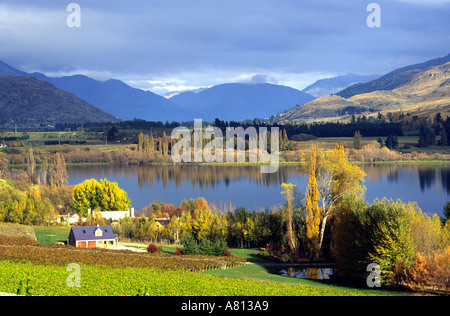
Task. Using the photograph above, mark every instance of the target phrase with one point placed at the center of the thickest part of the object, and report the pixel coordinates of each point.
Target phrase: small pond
(322, 272)
(308, 273)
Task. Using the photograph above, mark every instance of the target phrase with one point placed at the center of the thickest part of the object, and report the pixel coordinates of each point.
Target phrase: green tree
(443, 141)
(380, 141)
(426, 137)
(357, 140)
(392, 142)
(112, 134)
(378, 233)
(446, 212)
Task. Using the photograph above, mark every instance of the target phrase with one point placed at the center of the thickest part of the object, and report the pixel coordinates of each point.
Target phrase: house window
(98, 232)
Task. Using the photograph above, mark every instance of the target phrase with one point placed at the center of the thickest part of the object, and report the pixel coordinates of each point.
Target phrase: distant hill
(29, 101)
(240, 101)
(7, 70)
(329, 86)
(392, 80)
(423, 92)
(117, 98)
(112, 96)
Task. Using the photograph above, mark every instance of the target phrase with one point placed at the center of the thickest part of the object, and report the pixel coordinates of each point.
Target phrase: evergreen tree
(426, 137)
(446, 212)
(388, 142)
(392, 142)
(443, 141)
(112, 133)
(357, 140)
(380, 141)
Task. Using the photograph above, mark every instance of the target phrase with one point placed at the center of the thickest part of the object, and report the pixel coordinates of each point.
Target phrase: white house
(70, 219)
(117, 215)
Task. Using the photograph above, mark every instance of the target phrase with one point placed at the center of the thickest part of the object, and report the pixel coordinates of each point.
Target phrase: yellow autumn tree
(313, 212)
(335, 177)
(201, 205)
(201, 225)
(105, 195)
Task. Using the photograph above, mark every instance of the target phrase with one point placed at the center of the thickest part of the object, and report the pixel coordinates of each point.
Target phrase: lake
(246, 186)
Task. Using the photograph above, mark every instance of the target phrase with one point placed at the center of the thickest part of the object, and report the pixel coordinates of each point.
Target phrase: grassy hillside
(424, 94)
(16, 230)
(26, 101)
(392, 80)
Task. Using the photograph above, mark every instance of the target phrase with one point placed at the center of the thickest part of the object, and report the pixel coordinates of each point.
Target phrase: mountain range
(240, 101)
(422, 90)
(415, 88)
(329, 86)
(233, 101)
(393, 79)
(28, 101)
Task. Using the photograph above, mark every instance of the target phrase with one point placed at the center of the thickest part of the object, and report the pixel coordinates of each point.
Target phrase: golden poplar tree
(140, 141)
(313, 212)
(151, 143)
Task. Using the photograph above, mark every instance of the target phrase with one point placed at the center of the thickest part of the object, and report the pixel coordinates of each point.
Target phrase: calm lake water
(246, 186)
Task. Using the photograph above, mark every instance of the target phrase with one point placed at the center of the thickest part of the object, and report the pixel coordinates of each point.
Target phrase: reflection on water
(247, 186)
(208, 176)
(426, 176)
(307, 273)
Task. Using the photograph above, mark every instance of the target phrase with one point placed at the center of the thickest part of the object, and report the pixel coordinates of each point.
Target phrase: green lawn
(51, 235)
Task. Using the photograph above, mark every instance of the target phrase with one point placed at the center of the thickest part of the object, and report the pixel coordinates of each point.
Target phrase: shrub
(426, 273)
(372, 152)
(218, 247)
(152, 248)
(226, 252)
(178, 252)
(189, 246)
(206, 247)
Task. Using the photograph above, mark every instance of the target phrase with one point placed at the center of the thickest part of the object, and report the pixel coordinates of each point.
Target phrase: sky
(175, 45)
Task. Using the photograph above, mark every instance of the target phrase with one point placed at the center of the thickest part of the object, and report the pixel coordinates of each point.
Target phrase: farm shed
(92, 237)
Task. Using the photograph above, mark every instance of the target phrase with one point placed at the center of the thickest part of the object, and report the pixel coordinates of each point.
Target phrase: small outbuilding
(92, 237)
